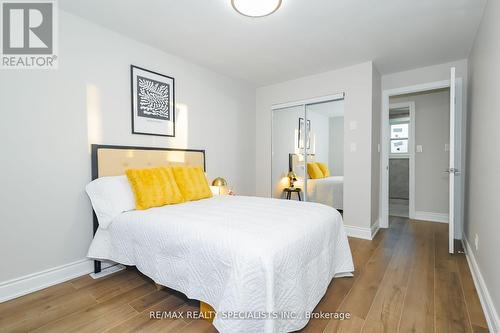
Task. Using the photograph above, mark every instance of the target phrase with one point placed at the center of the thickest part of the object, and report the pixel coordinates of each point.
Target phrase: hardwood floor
(404, 281)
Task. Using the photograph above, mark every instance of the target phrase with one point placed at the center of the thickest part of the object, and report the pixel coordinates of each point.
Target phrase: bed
(258, 258)
(328, 191)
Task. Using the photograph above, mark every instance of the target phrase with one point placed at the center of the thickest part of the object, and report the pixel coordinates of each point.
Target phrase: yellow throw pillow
(324, 169)
(192, 183)
(314, 171)
(154, 187)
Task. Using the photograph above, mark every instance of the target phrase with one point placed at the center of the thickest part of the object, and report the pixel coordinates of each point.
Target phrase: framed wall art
(153, 102)
(302, 132)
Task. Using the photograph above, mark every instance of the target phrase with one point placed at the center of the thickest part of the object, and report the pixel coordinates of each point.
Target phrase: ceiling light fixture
(256, 8)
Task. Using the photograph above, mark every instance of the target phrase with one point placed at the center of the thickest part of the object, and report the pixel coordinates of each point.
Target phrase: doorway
(454, 152)
(402, 159)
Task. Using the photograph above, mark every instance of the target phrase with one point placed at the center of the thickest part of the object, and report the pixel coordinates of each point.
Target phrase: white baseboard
(489, 310)
(432, 217)
(33, 282)
(363, 233)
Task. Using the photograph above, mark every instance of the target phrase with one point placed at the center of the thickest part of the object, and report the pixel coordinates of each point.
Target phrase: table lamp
(292, 177)
(219, 183)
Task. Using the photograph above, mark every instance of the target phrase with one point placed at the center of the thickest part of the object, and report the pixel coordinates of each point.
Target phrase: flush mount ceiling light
(256, 8)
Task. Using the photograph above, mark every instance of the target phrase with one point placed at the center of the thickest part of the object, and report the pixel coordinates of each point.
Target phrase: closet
(308, 151)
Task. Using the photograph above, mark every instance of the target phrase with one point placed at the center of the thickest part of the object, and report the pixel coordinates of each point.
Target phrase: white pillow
(110, 196)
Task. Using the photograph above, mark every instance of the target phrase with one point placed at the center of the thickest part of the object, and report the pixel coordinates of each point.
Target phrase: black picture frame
(162, 124)
(301, 132)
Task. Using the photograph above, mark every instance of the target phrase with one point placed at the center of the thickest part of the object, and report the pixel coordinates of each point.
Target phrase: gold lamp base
(220, 183)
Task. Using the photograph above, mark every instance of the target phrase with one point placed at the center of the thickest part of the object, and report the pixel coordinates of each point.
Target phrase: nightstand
(289, 190)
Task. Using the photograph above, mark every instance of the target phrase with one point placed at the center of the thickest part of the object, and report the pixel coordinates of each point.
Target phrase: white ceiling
(303, 37)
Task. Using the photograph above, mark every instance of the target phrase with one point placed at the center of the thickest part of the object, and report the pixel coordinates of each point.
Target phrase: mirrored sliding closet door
(288, 150)
(325, 162)
(308, 151)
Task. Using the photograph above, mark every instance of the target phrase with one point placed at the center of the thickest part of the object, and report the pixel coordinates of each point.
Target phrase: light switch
(353, 125)
(353, 147)
(378, 147)
(419, 149)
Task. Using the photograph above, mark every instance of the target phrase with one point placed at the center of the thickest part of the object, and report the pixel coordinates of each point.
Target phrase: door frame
(385, 137)
(411, 154)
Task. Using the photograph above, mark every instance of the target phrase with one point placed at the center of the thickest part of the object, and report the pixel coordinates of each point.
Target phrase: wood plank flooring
(405, 281)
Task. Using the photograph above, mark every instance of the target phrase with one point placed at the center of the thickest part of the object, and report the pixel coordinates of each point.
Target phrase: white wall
(320, 136)
(336, 162)
(356, 82)
(432, 132)
(330, 147)
(50, 117)
(422, 75)
(482, 210)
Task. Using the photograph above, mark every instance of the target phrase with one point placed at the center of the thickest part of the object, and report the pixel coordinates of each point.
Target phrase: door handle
(452, 170)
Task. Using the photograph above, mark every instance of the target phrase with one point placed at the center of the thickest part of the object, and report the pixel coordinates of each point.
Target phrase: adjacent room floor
(404, 281)
(399, 207)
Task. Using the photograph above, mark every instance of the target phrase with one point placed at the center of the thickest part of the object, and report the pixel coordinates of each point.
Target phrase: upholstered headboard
(114, 160)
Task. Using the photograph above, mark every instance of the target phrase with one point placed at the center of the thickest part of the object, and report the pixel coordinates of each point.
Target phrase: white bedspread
(327, 191)
(237, 254)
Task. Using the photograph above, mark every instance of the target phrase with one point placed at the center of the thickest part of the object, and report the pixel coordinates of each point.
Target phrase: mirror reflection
(308, 153)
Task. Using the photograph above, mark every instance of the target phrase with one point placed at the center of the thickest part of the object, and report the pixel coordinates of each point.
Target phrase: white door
(452, 168)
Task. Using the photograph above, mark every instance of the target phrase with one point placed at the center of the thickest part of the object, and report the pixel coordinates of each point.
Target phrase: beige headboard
(114, 160)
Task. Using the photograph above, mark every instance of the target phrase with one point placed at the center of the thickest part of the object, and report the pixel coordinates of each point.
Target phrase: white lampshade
(256, 8)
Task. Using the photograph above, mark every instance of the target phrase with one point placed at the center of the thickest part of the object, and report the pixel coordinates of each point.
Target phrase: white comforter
(327, 191)
(237, 254)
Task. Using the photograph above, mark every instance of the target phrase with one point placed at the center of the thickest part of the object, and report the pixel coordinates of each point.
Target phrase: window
(399, 131)
(399, 138)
